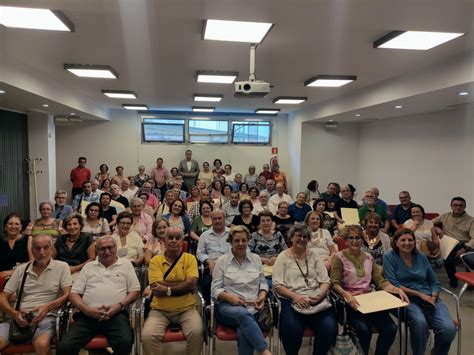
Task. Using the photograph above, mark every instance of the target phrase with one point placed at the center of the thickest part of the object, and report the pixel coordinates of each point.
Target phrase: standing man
(212, 244)
(173, 279)
(189, 169)
(160, 174)
(47, 286)
(79, 175)
(61, 210)
(103, 291)
(86, 195)
(402, 212)
(459, 225)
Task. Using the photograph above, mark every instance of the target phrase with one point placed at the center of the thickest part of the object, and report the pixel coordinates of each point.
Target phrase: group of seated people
(248, 241)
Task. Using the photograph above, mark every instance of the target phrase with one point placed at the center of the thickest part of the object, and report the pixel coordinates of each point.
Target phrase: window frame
(143, 123)
(252, 123)
(189, 134)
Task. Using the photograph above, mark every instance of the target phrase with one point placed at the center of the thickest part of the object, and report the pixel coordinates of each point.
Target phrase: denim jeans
(363, 323)
(420, 321)
(249, 334)
(292, 327)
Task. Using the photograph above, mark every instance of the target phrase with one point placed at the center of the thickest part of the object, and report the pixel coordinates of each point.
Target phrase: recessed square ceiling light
(267, 111)
(135, 107)
(398, 106)
(216, 77)
(288, 100)
(36, 19)
(92, 71)
(208, 97)
(417, 40)
(330, 80)
(119, 94)
(203, 109)
(235, 31)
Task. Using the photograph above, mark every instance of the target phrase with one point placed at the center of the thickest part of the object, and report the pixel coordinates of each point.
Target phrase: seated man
(212, 244)
(173, 279)
(102, 292)
(87, 195)
(402, 212)
(61, 210)
(459, 225)
(47, 286)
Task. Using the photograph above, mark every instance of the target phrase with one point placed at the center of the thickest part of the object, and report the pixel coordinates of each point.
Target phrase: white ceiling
(156, 48)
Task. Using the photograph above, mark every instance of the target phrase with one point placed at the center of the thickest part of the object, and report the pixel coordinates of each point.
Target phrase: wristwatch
(168, 293)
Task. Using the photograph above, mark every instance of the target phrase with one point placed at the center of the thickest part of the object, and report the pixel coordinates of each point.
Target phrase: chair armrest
(456, 302)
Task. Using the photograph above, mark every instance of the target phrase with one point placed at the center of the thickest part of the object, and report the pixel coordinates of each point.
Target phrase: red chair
(466, 276)
(431, 215)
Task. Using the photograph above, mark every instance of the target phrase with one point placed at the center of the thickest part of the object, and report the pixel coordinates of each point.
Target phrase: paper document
(446, 245)
(350, 215)
(378, 301)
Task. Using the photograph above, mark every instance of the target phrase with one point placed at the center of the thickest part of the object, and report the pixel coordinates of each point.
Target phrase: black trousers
(450, 262)
(117, 331)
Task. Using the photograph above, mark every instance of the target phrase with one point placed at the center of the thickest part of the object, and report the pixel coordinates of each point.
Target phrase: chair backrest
(185, 246)
(431, 215)
(468, 260)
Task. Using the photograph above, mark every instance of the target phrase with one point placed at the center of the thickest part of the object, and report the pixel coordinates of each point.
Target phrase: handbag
(147, 306)
(319, 307)
(17, 334)
(346, 344)
(265, 317)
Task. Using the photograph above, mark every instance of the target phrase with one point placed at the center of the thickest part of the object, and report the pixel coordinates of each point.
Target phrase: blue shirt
(298, 213)
(60, 212)
(212, 245)
(419, 277)
(400, 215)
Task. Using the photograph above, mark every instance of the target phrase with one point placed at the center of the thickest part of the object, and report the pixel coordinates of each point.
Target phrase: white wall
(119, 142)
(431, 155)
(329, 155)
(42, 145)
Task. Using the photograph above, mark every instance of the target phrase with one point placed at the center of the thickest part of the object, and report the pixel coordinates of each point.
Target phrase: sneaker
(453, 283)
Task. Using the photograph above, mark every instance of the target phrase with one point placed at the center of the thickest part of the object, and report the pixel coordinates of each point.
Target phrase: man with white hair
(378, 201)
(47, 283)
(116, 196)
(61, 210)
(102, 293)
(263, 204)
(95, 187)
(280, 196)
(126, 192)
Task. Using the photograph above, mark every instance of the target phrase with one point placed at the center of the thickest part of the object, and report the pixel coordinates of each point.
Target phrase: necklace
(371, 242)
(305, 275)
(358, 262)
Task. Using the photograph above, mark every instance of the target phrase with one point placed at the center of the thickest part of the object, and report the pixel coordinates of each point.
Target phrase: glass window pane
(161, 132)
(205, 131)
(251, 132)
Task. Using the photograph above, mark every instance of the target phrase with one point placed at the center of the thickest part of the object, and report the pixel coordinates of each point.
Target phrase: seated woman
(103, 173)
(312, 192)
(216, 192)
(321, 241)
(301, 280)
(192, 202)
(283, 221)
(108, 212)
(376, 242)
(146, 208)
(129, 244)
(156, 244)
(95, 224)
(46, 224)
(177, 216)
(141, 177)
(410, 270)
(244, 191)
(141, 221)
(253, 193)
(427, 240)
(15, 248)
(75, 247)
(201, 223)
(299, 209)
(226, 191)
(246, 218)
(240, 289)
(352, 273)
(165, 207)
(267, 242)
(105, 185)
(328, 221)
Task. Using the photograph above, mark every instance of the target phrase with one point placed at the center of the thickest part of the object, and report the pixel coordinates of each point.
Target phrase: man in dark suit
(189, 169)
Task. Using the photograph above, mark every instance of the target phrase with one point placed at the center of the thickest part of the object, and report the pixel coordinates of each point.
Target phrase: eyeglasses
(354, 239)
(91, 210)
(174, 237)
(106, 248)
(304, 237)
(125, 223)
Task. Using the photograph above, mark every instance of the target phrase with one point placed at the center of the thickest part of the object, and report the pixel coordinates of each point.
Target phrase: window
(206, 131)
(251, 132)
(163, 130)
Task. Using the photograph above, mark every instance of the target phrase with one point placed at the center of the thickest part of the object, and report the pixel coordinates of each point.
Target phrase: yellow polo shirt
(186, 268)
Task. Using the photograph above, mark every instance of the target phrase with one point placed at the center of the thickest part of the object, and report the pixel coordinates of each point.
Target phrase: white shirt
(257, 208)
(99, 285)
(129, 194)
(276, 199)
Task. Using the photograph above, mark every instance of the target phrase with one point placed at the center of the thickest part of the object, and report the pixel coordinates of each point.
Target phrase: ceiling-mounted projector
(251, 88)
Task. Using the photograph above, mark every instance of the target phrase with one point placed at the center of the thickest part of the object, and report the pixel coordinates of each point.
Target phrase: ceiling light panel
(135, 107)
(216, 77)
(236, 31)
(203, 109)
(208, 97)
(288, 100)
(120, 94)
(330, 80)
(415, 40)
(92, 71)
(267, 111)
(35, 19)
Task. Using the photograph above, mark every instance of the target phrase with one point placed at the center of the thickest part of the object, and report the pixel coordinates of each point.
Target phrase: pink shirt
(152, 201)
(160, 175)
(143, 227)
(350, 281)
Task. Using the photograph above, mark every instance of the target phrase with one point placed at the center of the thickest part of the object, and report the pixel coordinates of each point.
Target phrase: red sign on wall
(274, 150)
